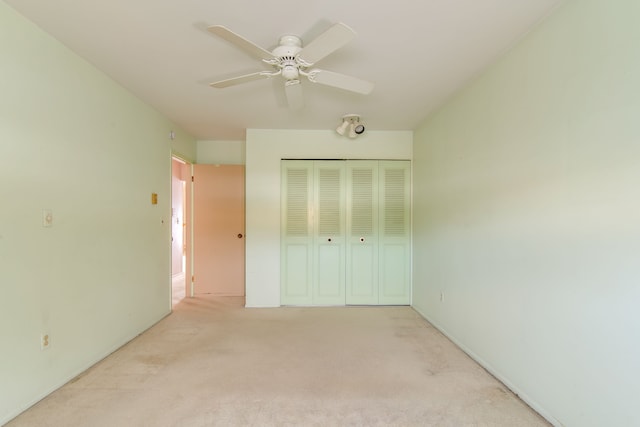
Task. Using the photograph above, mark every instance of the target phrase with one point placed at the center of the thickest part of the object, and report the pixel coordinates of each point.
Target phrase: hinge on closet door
(192, 178)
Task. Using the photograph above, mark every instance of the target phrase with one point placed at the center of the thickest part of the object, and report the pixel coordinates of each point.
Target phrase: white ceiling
(418, 53)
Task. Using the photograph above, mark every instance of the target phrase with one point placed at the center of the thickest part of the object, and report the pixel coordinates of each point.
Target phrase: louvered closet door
(296, 233)
(329, 235)
(395, 237)
(362, 232)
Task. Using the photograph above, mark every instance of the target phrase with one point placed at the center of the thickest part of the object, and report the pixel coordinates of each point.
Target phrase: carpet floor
(214, 363)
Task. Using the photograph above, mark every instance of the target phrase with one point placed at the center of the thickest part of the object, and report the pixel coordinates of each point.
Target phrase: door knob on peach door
(239, 235)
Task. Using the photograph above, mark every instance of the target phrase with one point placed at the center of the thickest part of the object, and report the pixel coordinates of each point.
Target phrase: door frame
(188, 222)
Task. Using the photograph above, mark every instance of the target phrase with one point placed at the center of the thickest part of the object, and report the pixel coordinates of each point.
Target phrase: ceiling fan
(292, 61)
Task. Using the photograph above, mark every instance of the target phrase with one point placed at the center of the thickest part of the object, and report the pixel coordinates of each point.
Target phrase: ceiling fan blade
(293, 90)
(331, 40)
(241, 42)
(341, 81)
(240, 79)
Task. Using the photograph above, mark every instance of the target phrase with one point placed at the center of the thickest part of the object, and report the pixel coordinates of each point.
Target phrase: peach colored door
(218, 229)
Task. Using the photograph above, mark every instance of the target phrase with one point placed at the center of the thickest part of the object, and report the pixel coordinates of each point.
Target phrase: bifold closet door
(329, 233)
(395, 233)
(362, 232)
(297, 255)
(378, 233)
(313, 233)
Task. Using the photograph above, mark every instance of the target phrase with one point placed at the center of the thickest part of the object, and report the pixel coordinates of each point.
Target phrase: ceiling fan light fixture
(290, 72)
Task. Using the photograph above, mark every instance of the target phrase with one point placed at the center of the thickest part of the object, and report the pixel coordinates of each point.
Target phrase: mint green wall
(73, 141)
(527, 216)
(220, 152)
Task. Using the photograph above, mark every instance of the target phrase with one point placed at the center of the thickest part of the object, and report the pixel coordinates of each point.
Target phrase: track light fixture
(350, 122)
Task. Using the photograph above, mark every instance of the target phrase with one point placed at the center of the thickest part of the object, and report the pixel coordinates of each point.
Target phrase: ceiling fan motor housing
(289, 46)
(285, 55)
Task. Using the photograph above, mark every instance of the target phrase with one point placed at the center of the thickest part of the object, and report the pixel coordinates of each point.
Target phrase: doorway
(180, 230)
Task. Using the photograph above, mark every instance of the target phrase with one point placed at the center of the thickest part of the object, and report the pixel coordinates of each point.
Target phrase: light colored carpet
(178, 288)
(214, 363)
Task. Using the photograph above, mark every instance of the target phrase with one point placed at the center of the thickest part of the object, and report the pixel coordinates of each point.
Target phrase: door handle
(329, 239)
(362, 239)
(239, 235)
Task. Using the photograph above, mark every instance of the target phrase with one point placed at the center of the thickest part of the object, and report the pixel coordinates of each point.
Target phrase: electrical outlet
(45, 342)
